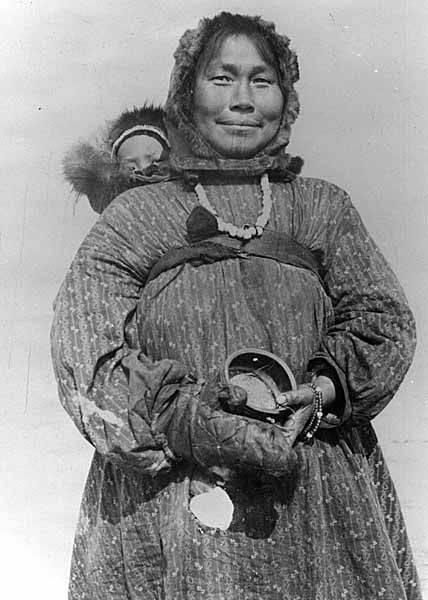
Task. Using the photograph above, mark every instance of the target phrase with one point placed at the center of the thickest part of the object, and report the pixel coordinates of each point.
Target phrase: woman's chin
(245, 145)
(238, 150)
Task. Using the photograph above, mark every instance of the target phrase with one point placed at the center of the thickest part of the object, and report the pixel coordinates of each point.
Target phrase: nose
(242, 98)
(141, 163)
(144, 160)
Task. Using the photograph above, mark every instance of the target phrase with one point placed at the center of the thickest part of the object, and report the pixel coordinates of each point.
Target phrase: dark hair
(245, 28)
(148, 114)
(219, 37)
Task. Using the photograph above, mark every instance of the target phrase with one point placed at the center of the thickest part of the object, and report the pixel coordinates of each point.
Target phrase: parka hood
(92, 169)
(190, 150)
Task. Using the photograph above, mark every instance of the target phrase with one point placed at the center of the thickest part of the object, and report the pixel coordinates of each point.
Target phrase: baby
(132, 153)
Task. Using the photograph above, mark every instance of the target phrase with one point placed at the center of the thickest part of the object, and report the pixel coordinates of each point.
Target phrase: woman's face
(237, 103)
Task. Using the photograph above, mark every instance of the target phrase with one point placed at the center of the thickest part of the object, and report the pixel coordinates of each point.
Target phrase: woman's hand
(304, 394)
(301, 401)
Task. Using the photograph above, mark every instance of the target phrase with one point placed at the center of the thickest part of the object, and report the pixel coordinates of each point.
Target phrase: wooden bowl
(264, 376)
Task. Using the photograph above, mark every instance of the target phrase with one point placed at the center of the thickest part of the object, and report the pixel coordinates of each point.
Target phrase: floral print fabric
(333, 531)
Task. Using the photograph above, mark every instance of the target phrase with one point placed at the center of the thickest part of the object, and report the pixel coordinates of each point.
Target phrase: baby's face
(139, 151)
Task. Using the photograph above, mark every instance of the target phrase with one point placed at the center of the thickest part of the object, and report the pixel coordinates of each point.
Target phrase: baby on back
(133, 152)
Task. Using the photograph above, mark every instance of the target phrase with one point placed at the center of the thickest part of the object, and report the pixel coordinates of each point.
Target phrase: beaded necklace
(247, 231)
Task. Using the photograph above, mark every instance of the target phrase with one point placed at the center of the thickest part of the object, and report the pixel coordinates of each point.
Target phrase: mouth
(240, 124)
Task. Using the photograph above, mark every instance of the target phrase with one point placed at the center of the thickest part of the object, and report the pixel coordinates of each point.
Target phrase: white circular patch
(213, 508)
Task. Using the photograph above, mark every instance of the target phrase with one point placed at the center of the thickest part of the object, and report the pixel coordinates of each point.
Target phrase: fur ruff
(182, 132)
(91, 171)
(148, 114)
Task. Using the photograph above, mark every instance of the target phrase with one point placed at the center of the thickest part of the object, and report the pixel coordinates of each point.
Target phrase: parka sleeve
(371, 341)
(92, 352)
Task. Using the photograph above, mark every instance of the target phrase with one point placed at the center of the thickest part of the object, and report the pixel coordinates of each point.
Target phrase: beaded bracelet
(315, 420)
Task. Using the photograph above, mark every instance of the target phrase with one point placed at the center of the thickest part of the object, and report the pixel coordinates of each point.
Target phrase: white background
(67, 66)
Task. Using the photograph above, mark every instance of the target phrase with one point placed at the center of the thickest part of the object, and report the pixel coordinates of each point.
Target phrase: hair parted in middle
(197, 46)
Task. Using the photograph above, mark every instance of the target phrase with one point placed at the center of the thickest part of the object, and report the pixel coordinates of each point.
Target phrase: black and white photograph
(214, 300)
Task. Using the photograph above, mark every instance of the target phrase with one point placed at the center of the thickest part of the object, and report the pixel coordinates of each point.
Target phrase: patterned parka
(124, 349)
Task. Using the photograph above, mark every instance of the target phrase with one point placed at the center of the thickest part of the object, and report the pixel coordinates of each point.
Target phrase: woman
(133, 153)
(162, 291)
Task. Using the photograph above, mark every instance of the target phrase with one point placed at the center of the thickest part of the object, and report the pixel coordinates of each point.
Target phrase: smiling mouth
(240, 124)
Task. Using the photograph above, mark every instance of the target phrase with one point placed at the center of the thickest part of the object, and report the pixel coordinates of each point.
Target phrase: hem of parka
(159, 544)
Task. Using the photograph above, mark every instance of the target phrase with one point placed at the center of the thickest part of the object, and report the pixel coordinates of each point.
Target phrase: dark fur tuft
(145, 115)
(92, 173)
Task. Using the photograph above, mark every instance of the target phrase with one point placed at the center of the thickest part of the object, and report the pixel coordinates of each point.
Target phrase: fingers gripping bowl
(264, 377)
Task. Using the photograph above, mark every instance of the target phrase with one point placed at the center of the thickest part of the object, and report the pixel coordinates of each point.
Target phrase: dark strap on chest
(272, 244)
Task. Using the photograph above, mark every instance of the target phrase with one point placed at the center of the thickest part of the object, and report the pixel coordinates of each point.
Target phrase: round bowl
(264, 376)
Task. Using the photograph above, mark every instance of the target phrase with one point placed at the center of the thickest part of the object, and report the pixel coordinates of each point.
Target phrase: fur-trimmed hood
(93, 172)
(190, 151)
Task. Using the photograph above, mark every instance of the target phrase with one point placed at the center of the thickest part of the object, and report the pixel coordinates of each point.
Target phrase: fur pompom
(92, 173)
(86, 167)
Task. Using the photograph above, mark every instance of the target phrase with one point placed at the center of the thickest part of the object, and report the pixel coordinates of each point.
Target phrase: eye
(151, 157)
(127, 162)
(262, 81)
(221, 79)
